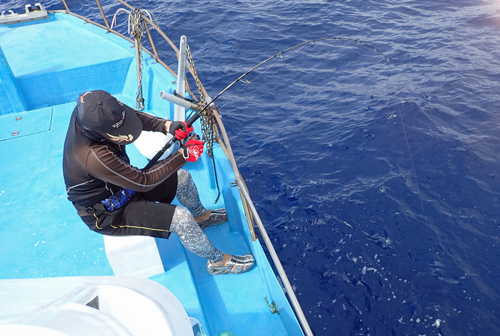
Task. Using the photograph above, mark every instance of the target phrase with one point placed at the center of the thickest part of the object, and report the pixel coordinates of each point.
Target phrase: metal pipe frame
(102, 13)
(249, 207)
(277, 263)
(274, 256)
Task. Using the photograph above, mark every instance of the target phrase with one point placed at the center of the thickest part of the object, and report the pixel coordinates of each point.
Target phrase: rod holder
(179, 101)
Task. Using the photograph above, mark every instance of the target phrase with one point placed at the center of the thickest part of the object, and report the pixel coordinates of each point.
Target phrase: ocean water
(378, 182)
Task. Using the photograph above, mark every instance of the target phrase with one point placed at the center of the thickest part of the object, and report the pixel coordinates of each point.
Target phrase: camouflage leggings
(183, 223)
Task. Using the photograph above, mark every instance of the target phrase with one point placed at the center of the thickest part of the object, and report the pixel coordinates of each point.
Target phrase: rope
(136, 29)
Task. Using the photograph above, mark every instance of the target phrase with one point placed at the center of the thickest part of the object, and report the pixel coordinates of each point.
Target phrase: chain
(207, 119)
(139, 98)
(136, 30)
(138, 34)
(195, 74)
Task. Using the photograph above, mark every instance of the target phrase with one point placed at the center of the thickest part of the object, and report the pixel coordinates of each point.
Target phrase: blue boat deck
(42, 236)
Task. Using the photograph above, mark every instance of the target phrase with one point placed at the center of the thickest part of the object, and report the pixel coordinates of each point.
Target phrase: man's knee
(183, 176)
(181, 219)
(182, 213)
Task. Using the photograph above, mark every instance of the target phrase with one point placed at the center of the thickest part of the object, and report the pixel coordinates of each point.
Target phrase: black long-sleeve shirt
(94, 170)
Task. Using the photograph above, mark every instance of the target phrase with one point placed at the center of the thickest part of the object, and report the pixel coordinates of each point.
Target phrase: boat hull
(42, 236)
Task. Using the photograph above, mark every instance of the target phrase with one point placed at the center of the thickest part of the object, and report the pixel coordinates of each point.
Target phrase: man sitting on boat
(115, 198)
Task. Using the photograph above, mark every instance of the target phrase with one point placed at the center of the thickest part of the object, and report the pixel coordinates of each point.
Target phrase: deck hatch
(21, 124)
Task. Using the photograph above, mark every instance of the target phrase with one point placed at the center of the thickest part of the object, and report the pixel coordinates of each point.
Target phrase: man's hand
(192, 150)
(179, 129)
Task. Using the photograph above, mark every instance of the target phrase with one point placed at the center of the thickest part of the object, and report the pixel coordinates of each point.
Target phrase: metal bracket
(36, 12)
(272, 307)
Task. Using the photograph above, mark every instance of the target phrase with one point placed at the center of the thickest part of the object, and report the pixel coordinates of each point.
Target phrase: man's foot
(215, 217)
(235, 265)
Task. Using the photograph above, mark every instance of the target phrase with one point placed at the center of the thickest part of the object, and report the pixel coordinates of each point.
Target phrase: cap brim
(130, 129)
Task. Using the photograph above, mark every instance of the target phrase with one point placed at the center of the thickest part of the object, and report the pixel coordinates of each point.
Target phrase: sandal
(237, 264)
(216, 217)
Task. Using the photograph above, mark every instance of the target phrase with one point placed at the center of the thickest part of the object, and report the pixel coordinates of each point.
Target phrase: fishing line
(248, 82)
(310, 43)
(211, 104)
(422, 206)
(279, 60)
(304, 45)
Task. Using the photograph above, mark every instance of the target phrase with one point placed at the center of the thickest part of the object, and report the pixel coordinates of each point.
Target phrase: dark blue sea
(378, 182)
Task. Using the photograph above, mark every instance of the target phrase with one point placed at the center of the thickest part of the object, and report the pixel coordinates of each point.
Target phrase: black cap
(101, 113)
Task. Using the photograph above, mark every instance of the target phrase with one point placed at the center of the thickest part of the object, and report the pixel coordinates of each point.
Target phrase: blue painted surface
(319, 140)
(12, 99)
(87, 59)
(26, 123)
(41, 234)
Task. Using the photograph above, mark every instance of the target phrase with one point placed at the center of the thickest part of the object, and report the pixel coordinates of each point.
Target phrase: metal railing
(249, 208)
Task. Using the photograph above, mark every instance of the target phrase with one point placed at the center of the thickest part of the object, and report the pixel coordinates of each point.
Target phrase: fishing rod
(198, 114)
